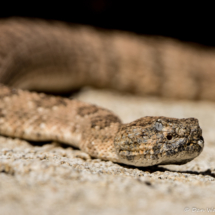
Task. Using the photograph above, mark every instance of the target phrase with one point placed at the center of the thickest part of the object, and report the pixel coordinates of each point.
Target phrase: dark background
(188, 22)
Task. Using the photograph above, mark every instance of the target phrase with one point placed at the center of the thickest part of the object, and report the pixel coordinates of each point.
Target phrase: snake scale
(49, 56)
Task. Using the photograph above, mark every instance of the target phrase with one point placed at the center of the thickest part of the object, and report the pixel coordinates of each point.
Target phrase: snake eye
(158, 126)
(169, 137)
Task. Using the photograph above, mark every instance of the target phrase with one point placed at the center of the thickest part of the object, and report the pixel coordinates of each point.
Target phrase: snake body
(54, 57)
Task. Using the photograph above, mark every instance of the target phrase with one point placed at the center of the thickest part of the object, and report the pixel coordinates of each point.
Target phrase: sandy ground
(52, 179)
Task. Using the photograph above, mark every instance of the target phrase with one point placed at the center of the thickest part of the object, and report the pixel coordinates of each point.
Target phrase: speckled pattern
(51, 56)
(159, 140)
(145, 142)
(51, 179)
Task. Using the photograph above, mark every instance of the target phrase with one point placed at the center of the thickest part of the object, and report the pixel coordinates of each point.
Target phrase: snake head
(151, 141)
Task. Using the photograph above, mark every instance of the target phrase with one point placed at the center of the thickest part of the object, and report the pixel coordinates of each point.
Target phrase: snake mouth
(178, 151)
(183, 150)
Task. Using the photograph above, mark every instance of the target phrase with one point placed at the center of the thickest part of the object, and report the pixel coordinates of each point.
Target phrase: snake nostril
(169, 137)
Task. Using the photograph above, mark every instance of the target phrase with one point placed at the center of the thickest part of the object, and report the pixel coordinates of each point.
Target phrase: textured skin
(54, 57)
(159, 140)
(69, 57)
(144, 142)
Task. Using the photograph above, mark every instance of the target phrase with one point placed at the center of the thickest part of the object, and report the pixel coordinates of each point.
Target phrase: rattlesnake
(55, 57)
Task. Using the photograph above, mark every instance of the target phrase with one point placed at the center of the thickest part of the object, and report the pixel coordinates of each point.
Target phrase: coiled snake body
(53, 57)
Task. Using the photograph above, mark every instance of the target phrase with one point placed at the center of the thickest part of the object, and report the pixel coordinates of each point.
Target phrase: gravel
(54, 179)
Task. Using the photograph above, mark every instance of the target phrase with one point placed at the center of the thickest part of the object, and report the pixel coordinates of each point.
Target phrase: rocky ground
(51, 179)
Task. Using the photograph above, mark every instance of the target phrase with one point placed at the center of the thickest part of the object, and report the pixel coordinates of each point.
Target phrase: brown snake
(54, 57)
